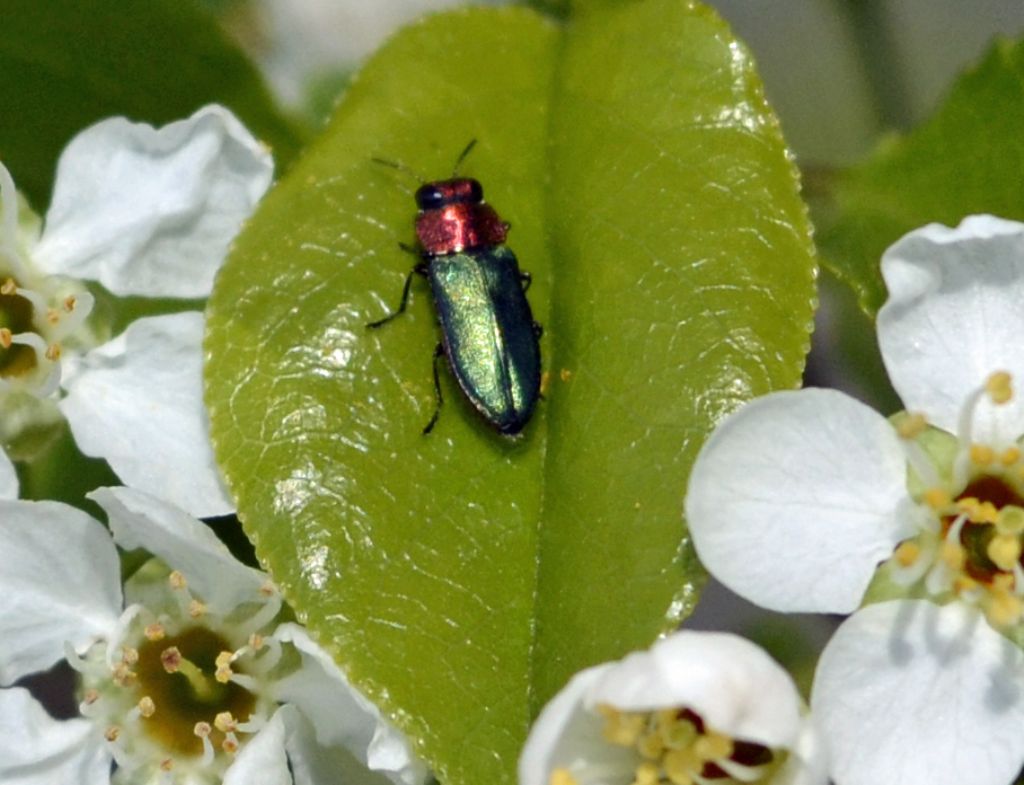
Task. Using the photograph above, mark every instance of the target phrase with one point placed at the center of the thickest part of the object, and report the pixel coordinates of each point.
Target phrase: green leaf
(460, 578)
(965, 159)
(65, 64)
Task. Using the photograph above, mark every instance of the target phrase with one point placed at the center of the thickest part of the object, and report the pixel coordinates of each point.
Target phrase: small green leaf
(460, 578)
(64, 64)
(965, 159)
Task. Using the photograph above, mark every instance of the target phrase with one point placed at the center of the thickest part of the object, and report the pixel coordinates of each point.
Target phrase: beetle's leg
(538, 330)
(409, 248)
(525, 279)
(438, 353)
(420, 268)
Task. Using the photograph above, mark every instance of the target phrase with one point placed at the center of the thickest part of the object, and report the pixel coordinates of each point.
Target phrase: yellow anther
(167, 764)
(968, 505)
(911, 426)
(196, 609)
(953, 555)
(177, 580)
(650, 745)
(8, 287)
(676, 733)
(6, 338)
(561, 776)
(713, 746)
(170, 658)
(202, 729)
(646, 773)
(964, 583)
(987, 512)
(53, 316)
(1010, 520)
(982, 454)
(69, 303)
(111, 733)
(937, 498)
(146, 706)
(907, 553)
(90, 697)
(1004, 609)
(1004, 550)
(999, 387)
(681, 765)
(229, 745)
(1010, 456)
(123, 675)
(225, 722)
(621, 728)
(52, 352)
(154, 632)
(129, 655)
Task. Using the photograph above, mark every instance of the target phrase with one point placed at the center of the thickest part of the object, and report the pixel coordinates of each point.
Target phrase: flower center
(181, 688)
(675, 747)
(179, 675)
(972, 536)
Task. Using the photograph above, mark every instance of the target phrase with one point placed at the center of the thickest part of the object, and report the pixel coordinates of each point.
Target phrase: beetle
(488, 333)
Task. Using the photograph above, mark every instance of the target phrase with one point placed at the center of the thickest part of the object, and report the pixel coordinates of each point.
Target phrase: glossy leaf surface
(462, 577)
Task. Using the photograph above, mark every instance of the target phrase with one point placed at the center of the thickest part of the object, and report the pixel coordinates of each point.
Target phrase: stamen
(937, 498)
(173, 662)
(1009, 456)
(202, 730)
(920, 464)
(146, 707)
(1004, 550)
(561, 776)
(999, 387)
(911, 426)
(907, 553)
(981, 454)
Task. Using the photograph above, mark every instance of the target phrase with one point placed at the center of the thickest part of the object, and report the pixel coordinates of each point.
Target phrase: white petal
(138, 520)
(61, 582)
(796, 498)
(8, 477)
(313, 764)
(38, 750)
(137, 402)
(149, 211)
(567, 734)
(342, 715)
(918, 694)
(262, 761)
(953, 317)
(730, 682)
(807, 763)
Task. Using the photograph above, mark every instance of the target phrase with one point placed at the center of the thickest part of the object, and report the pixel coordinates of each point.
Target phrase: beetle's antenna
(399, 166)
(462, 157)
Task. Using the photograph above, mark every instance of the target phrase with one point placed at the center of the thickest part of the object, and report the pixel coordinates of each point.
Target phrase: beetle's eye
(429, 197)
(476, 191)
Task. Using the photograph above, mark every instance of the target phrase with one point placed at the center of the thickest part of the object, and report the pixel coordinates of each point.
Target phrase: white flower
(797, 498)
(697, 708)
(191, 678)
(145, 212)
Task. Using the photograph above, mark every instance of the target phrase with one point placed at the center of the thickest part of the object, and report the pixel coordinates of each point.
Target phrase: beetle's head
(441, 193)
